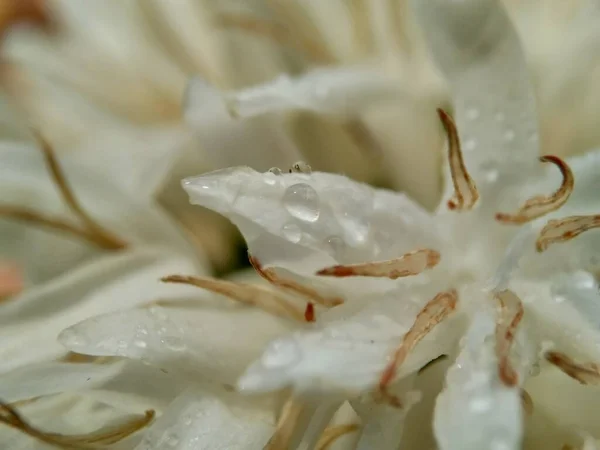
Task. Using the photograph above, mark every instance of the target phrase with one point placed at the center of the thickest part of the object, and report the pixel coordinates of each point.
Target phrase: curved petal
(32, 321)
(477, 49)
(201, 340)
(348, 355)
(490, 413)
(202, 421)
(288, 217)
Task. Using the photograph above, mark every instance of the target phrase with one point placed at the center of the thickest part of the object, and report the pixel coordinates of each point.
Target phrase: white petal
(475, 46)
(347, 356)
(206, 341)
(263, 139)
(476, 411)
(32, 321)
(337, 91)
(52, 378)
(285, 218)
(200, 421)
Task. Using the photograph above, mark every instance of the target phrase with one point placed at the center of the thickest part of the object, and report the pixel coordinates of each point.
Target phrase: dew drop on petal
(499, 117)
(335, 245)
(281, 353)
(509, 135)
(472, 114)
(470, 145)
(71, 338)
(302, 202)
(292, 232)
(173, 343)
(275, 171)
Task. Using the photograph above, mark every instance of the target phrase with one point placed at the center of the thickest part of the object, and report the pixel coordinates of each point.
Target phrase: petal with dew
(305, 222)
(206, 340)
(202, 421)
(31, 321)
(473, 42)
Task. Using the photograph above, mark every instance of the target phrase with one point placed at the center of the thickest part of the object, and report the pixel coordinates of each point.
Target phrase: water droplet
(292, 232)
(472, 114)
(499, 117)
(158, 313)
(71, 338)
(491, 176)
(187, 419)
(275, 171)
(509, 135)
(141, 330)
(533, 137)
(171, 439)
(301, 167)
(302, 202)
(281, 352)
(470, 145)
(335, 245)
(122, 347)
(173, 343)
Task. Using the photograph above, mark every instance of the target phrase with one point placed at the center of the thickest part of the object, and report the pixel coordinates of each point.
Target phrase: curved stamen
(526, 402)
(465, 192)
(95, 440)
(248, 294)
(541, 205)
(565, 229)
(331, 434)
(433, 313)
(271, 276)
(510, 315)
(585, 373)
(412, 263)
(286, 425)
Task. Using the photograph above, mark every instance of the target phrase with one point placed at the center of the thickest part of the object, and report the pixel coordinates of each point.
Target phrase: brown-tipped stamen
(541, 205)
(35, 218)
(91, 231)
(585, 373)
(526, 402)
(248, 294)
(285, 425)
(308, 47)
(311, 294)
(11, 280)
(465, 192)
(412, 263)
(510, 314)
(17, 12)
(332, 434)
(96, 440)
(565, 229)
(309, 313)
(433, 313)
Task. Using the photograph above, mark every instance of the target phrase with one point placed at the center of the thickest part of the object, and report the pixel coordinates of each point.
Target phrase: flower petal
(31, 322)
(473, 43)
(289, 217)
(348, 355)
(204, 422)
(209, 341)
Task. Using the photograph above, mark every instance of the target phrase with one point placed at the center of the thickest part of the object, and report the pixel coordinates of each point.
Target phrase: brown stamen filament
(565, 229)
(585, 373)
(95, 440)
(91, 231)
(11, 280)
(465, 192)
(331, 434)
(412, 263)
(510, 314)
(244, 293)
(277, 32)
(433, 313)
(271, 276)
(541, 205)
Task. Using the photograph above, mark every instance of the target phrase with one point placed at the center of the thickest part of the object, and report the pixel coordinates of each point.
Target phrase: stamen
(541, 205)
(563, 230)
(434, 312)
(271, 276)
(412, 263)
(95, 440)
(331, 434)
(309, 313)
(465, 192)
(586, 373)
(526, 402)
(248, 294)
(15, 12)
(91, 231)
(308, 47)
(510, 315)
(285, 425)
